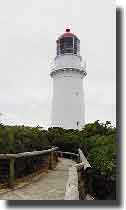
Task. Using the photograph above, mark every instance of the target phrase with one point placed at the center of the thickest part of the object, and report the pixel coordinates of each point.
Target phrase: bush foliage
(97, 140)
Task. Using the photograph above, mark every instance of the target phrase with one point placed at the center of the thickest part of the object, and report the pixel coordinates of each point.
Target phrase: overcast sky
(28, 32)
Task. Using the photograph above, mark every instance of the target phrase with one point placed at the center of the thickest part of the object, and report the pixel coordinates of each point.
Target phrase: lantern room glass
(68, 45)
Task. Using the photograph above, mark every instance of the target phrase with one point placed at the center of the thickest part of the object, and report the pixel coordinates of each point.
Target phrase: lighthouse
(67, 72)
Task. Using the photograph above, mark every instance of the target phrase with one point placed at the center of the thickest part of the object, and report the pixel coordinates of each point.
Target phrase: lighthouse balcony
(79, 69)
(59, 67)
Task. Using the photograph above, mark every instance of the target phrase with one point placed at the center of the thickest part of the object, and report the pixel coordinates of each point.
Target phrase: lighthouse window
(76, 45)
(62, 46)
(77, 93)
(68, 42)
(58, 47)
(66, 45)
(61, 42)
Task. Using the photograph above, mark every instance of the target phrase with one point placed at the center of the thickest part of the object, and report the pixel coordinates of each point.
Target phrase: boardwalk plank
(49, 187)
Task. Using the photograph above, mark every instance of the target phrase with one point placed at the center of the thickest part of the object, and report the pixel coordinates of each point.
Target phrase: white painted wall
(68, 61)
(68, 95)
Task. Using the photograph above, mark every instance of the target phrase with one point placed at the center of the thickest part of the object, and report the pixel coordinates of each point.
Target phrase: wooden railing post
(78, 159)
(11, 173)
(56, 155)
(51, 160)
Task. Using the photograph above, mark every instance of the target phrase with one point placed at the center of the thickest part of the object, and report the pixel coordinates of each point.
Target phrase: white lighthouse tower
(67, 74)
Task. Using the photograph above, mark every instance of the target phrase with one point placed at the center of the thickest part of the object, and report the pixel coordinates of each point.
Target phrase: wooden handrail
(72, 192)
(83, 159)
(27, 154)
(12, 158)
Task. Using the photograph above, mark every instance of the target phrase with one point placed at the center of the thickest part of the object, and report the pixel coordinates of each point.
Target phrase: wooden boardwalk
(49, 187)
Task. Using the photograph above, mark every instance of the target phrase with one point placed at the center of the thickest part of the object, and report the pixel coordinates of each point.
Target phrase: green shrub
(97, 141)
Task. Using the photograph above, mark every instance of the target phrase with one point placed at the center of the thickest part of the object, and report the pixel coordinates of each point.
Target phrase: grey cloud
(28, 33)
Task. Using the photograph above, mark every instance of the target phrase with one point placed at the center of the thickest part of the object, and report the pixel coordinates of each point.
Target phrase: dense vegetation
(97, 140)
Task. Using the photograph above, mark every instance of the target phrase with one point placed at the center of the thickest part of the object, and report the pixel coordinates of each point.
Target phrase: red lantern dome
(67, 34)
(68, 43)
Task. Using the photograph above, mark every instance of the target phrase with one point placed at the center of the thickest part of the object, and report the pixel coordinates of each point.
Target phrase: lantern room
(68, 43)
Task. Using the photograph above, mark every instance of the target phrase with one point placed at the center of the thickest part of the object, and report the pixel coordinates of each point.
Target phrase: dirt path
(48, 187)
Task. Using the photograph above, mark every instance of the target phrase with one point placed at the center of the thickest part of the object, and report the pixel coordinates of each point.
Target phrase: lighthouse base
(68, 125)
